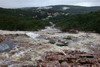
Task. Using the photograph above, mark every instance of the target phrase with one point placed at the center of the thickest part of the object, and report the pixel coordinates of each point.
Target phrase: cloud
(32, 3)
(84, 4)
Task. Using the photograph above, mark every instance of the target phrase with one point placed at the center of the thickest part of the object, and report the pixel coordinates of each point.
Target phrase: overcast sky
(35, 3)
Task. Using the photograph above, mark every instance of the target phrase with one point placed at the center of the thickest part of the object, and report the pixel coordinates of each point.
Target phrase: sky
(39, 3)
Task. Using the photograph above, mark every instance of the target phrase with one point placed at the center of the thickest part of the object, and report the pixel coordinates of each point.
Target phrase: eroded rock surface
(80, 50)
(6, 46)
(71, 59)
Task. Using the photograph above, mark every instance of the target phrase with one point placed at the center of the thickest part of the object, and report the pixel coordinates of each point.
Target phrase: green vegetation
(16, 19)
(32, 19)
(68, 38)
(83, 22)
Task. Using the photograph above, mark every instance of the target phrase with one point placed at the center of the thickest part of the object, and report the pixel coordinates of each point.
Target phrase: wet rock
(6, 46)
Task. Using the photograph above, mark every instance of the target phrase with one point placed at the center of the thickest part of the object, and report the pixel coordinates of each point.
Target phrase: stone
(36, 37)
(6, 46)
(21, 65)
(64, 63)
(75, 39)
(52, 41)
(3, 65)
(73, 31)
(1, 38)
(61, 44)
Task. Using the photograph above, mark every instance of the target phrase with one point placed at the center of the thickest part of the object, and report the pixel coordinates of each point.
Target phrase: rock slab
(6, 46)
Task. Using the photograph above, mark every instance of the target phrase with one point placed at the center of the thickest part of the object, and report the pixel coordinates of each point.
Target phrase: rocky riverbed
(32, 49)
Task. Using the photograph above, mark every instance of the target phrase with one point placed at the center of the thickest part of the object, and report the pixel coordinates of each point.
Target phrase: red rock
(71, 59)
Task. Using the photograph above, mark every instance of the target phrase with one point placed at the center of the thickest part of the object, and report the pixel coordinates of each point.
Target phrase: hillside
(64, 16)
(76, 9)
(16, 19)
(82, 22)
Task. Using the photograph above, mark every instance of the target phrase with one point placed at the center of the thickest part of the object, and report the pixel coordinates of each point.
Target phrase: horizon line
(45, 6)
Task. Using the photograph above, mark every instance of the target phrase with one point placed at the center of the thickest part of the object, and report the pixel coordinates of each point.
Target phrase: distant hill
(76, 9)
(67, 8)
